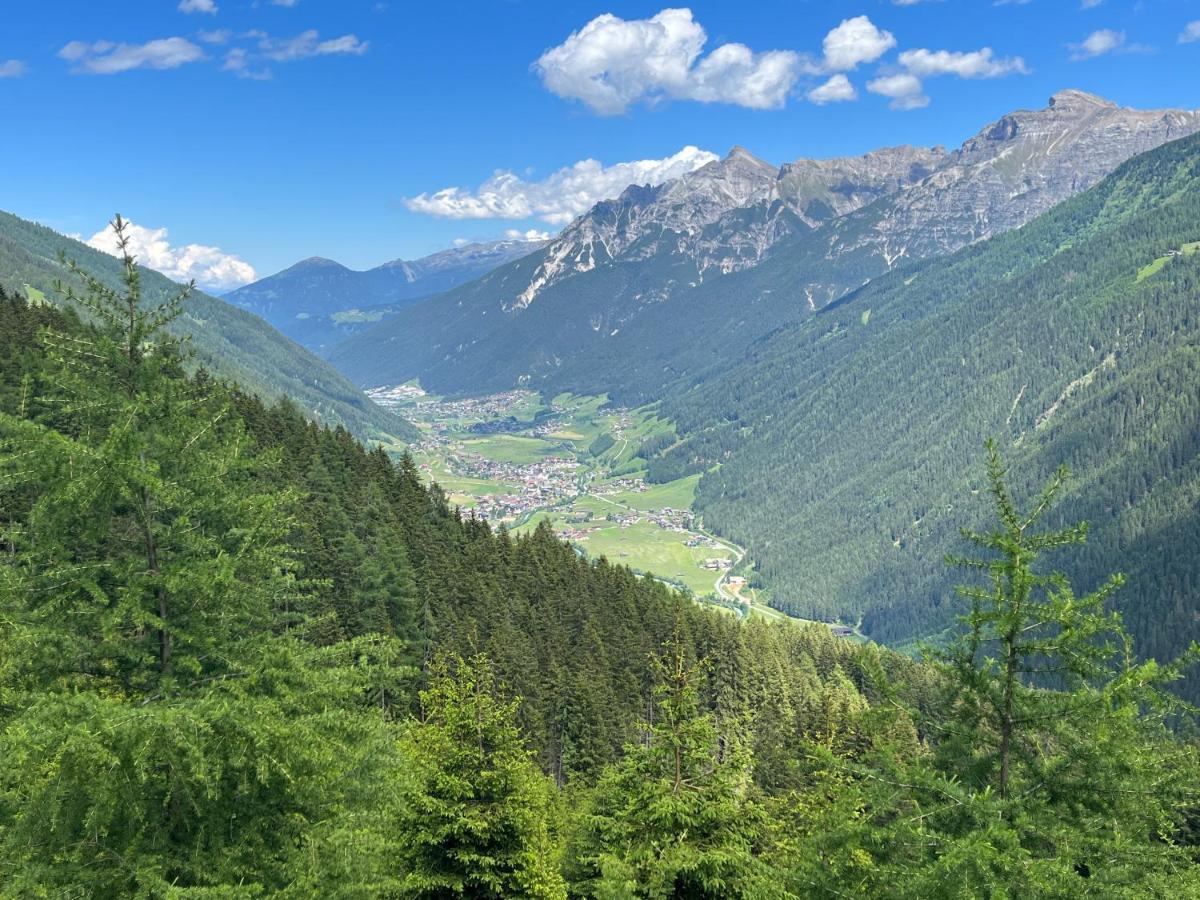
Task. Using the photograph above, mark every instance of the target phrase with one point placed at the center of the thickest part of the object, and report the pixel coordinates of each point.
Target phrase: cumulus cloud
(612, 63)
(836, 90)
(209, 267)
(853, 42)
(215, 36)
(1190, 33)
(12, 68)
(974, 64)
(107, 58)
(903, 88)
(1100, 42)
(200, 6)
(560, 197)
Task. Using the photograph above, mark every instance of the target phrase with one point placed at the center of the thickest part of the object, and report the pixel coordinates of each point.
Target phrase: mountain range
(844, 450)
(227, 341)
(648, 289)
(318, 302)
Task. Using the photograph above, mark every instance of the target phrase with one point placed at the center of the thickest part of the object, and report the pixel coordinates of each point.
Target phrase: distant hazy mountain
(318, 301)
(228, 341)
(656, 285)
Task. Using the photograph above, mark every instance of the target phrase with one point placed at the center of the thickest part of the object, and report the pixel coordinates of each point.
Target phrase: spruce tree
(677, 817)
(473, 817)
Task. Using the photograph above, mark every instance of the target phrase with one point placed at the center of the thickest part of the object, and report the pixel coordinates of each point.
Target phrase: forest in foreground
(241, 655)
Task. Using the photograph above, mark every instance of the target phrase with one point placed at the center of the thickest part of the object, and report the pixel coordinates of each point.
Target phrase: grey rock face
(1014, 170)
(892, 204)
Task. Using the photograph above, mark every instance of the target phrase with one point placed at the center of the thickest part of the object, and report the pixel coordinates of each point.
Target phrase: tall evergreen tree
(677, 816)
(473, 820)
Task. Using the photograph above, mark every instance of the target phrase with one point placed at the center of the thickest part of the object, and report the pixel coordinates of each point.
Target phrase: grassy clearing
(679, 494)
(511, 448)
(644, 546)
(1155, 267)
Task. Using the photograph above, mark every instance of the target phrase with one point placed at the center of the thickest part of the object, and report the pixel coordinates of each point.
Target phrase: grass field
(512, 448)
(679, 494)
(644, 547)
(1153, 268)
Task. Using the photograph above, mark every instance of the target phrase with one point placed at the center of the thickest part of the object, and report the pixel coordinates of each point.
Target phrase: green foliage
(216, 618)
(676, 817)
(472, 820)
(157, 732)
(601, 444)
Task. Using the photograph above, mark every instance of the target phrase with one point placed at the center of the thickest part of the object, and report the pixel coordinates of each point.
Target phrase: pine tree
(473, 819)
(676, 817)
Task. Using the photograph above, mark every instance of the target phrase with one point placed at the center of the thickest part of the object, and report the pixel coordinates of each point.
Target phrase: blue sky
(279, 129)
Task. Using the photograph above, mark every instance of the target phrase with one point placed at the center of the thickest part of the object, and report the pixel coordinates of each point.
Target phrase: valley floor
(517, 459)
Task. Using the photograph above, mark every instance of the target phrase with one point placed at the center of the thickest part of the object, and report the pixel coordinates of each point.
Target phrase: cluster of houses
(547, 482)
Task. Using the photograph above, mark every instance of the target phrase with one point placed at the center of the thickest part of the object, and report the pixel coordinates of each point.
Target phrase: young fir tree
(158, 733)
(1054, 772)
(473, 818)
(677, 816)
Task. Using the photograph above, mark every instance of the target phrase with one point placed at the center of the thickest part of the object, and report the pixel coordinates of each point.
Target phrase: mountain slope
(850, 444)
(318, 301)
(651, 287)
(229, 342)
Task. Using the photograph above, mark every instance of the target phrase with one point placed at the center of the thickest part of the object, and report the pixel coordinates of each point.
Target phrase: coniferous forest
(241, 655)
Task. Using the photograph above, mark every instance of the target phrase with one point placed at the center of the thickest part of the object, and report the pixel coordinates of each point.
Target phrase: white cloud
(973, 64)
(251, 62)
(903, 88)
(1098, 43)
(13, 68)
(560, 197)
(284, 2)
(612, 63)
(532, 234)
(210, 268)
(216, 36)
(1190, 33)
(1089, 4)
(835, 90)
(107, 58)
(200, 6)
(308, 44)
(855, 41)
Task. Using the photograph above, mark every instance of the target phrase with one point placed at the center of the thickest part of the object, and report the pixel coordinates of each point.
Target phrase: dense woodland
(244, 656)
(848, 444)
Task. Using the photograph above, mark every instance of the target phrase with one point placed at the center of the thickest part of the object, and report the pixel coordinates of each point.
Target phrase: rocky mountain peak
(1072, 97)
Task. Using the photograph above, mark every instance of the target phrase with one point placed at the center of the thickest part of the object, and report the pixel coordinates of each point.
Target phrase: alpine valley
(770, 528)
(789, 325)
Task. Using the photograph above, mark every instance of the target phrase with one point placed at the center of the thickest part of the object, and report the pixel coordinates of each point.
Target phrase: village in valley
(513, 460)
(516, 459)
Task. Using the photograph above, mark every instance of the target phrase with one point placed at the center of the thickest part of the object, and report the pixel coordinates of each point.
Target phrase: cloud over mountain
(561, 196)
(210, 267)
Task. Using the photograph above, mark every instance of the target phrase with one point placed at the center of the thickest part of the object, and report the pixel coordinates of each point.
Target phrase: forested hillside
(227, 341)
(848, 444)
(245, 657)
